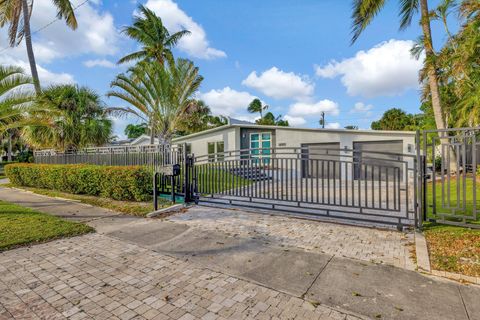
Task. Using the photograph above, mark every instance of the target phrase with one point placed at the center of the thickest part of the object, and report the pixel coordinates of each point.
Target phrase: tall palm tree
(14, 98)
(68, 117)
(156, 40)
(17, 13)
(363, 13)
(257, 106)
(159, 96)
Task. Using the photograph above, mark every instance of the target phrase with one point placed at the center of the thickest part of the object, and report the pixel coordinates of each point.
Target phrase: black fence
(437, 182)
(155, 156)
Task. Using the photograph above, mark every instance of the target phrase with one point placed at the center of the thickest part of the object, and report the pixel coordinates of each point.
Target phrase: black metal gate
(450, 185)
(364, 186)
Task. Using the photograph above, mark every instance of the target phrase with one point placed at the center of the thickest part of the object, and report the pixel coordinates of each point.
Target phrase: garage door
(321, 169)
(388, 146)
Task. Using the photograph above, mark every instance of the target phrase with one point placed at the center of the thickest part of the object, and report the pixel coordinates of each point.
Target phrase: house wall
(199, 143)
(294, 138)
(346, 139)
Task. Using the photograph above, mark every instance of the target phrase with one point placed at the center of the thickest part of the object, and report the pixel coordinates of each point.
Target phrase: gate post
(155, 191)
(187, 165)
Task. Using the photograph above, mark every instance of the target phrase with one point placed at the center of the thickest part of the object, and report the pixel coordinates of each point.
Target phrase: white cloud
(361, 107)
(315, 108)
(278, 84)
(333, 125)
(387, 69)
(175, 19)
(227, 101)
(96, 32)
(46, 76)
(99, 63)
(295, 121)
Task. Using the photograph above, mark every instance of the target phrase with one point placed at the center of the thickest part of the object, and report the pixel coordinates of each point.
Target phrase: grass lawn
(128, 207)
(453, 197)
(22, 226)
(454, 249)
(216, 180)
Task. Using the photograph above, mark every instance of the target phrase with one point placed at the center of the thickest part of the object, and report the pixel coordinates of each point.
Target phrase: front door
(260, 145)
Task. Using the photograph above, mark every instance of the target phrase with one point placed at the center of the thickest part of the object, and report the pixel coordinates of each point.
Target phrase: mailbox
(170, 170)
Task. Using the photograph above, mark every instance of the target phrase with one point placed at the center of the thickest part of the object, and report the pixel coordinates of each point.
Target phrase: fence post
(155, 191)
(186, 174)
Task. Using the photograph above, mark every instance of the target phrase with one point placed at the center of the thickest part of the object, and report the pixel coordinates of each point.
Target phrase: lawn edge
(76, 201)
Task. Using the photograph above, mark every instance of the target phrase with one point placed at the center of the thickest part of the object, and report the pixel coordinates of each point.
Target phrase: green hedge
(120, 183)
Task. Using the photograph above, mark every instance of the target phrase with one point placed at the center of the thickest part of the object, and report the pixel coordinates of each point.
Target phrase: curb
(423, 263)
(421, 251)
(171, 209)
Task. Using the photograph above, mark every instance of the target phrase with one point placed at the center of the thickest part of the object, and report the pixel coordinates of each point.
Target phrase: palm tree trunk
(433, 79)
(28, 44)
(9, 150)
(152, 136)
(431, 71)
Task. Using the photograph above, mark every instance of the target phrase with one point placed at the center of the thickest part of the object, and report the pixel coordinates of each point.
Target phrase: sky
(295, 55)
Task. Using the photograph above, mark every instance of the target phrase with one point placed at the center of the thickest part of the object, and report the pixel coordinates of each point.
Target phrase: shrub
(119, 183)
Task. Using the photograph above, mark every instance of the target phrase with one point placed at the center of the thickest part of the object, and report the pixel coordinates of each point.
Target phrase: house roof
(257, 126)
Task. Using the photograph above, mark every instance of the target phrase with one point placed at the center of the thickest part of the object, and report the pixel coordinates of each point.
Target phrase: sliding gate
(363, 186)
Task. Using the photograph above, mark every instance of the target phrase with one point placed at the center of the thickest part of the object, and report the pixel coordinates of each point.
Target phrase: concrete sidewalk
(361, 287)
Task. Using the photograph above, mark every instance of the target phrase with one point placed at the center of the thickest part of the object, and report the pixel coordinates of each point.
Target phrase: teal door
(260, 144)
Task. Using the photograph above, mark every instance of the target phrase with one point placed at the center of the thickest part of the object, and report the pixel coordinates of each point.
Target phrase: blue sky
(295, 56)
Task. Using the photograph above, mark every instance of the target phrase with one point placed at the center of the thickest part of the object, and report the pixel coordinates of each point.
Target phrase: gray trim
(260, 127)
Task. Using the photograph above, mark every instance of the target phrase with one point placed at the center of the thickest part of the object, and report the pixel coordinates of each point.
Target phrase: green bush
(119, 183)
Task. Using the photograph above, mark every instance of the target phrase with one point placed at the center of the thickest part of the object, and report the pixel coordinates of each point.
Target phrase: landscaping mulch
(454, 249)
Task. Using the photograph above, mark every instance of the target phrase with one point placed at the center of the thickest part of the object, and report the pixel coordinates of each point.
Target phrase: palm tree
(16, 13)
(257, 106)
(363, 13)
(159, 96)
(68, 117)
(156, 40)
(134, 131)
(14, 97)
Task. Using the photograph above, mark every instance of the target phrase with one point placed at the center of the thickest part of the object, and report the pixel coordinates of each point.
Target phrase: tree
(159, 96)
(363, 13)
(17, 13)
(351, 127)
(134, 131)
(257, 106)
(394, 119)
(14, 98)
(198, 117)
(68, 117)
(270, 120)
(458, 63)
(156, 41)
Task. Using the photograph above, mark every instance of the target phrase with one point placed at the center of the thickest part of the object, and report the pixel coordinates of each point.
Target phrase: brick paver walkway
(99, 277)
(374, 245)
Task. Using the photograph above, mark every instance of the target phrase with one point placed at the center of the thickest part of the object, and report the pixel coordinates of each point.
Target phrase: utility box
(170, 170)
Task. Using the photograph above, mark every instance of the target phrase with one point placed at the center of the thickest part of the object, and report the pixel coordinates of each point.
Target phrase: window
(220, 150)
(215, 151)
(260, 144)
(211, 151)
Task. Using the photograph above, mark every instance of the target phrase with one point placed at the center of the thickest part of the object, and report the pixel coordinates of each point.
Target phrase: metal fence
(450, 184)
(438, 182)
(371, 187)
(154, 156)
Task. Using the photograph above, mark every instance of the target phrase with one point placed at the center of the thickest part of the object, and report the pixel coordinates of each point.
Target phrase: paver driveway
(96, 276)
(205, 256)
(367, 244)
